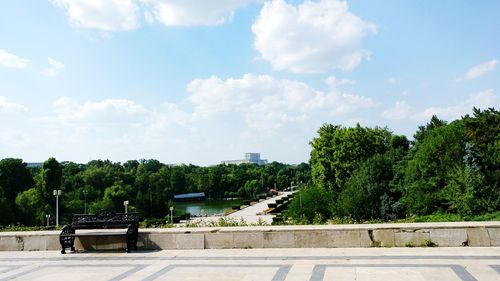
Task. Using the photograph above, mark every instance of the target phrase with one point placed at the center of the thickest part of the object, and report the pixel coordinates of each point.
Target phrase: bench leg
(131, 237)
(66, 239)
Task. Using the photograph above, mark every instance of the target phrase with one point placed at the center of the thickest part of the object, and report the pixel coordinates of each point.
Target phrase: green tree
(431, 162)
(338, 151)
(361, 199)
(311, 203)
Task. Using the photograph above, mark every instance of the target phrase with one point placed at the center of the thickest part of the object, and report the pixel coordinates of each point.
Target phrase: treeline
(26, 194)
(372, 174)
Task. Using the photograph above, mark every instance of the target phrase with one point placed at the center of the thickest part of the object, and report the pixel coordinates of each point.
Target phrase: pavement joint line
(280, 275)
(319, 270)
(10, 268)
(496, 267)
(384, 257)
(136, 267)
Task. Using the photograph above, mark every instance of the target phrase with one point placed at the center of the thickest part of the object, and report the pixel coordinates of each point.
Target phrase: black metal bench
(128, 223)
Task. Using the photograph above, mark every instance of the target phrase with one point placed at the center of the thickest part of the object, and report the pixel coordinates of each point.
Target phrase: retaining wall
(454, 234)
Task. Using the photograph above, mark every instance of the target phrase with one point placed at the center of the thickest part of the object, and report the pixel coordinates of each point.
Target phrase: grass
(29, 228)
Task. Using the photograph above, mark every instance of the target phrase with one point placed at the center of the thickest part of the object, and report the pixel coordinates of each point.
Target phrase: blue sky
(189, 81)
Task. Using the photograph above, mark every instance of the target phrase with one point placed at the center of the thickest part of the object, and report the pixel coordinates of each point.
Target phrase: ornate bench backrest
(105, 219)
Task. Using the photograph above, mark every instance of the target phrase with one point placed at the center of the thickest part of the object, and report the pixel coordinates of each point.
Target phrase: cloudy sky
(190, 81)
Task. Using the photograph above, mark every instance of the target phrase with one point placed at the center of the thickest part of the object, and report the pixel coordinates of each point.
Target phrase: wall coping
(286, 228)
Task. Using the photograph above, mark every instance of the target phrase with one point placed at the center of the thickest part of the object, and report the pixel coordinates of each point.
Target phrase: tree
(361, 199)
(14, 178)
(312, 203)
(432, 160)
(338, 151)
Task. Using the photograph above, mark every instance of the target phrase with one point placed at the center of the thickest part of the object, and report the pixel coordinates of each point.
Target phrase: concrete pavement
(466, 264)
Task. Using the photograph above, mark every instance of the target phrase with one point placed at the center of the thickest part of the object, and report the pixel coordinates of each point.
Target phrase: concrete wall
(477, 234)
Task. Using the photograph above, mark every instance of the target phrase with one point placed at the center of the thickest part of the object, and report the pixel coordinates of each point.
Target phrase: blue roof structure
(190, 196)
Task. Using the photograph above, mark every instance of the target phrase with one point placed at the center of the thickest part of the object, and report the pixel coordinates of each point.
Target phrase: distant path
(250, 214)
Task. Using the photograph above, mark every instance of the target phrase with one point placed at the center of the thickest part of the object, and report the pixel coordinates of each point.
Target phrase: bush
(316, 203)
(235, 207)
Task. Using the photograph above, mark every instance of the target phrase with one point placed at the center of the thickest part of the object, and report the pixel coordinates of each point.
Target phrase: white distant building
(250, 158)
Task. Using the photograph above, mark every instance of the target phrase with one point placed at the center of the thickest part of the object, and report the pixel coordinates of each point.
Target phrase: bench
(127, 225)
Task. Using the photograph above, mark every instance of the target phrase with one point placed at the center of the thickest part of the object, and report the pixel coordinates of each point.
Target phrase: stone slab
(189, 241)
(248, 240)
(417, 238)
(383, 238)
(156, 241)
(11, 243)
(344, 239)
(478, 237)
(219, 240)
(311, 239)
(449, 237)
(279, 239)
(494, 234)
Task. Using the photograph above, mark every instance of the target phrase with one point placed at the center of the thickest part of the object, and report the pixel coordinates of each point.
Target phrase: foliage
(366, 194)
(338, 151)
(310, 204)
(149, 186)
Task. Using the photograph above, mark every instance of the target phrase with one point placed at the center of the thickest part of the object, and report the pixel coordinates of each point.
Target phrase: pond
(209, 207)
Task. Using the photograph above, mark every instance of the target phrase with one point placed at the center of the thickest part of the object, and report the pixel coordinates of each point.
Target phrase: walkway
(251, 214)
(387, 264)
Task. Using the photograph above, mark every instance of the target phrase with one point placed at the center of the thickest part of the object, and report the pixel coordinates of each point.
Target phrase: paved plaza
(386, 264)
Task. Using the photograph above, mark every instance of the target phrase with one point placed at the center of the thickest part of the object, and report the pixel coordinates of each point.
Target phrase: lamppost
(47, 216)
(300, 195)
(125, 203)
(57, 193)
(291, 186)
(172, 215)
(85, 192)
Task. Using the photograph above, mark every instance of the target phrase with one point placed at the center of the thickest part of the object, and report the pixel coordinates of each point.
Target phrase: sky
(190, 81)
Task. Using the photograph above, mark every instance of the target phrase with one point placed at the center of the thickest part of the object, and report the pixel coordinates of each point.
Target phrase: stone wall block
(311, 239)
(384, 238)
(450, 237)
(284, 239)
(11, 243)
(478, 237)
(247, 240)
(415, 238)
(157, 241)
(344, 239)
(494, 234)
(219, 241)
(189, 241)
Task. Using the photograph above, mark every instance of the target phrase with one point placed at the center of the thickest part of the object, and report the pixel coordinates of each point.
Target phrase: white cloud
(104, 15)
(12, 61)
(391, 80)
(401, 110)
(109, 111)
(479, 70)
(54, 67)
(192, 12)
(10, 107)
(219, 119)
(481, 100)
(267, 103)
(123, 15)
(333, 82)
(312, 37)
